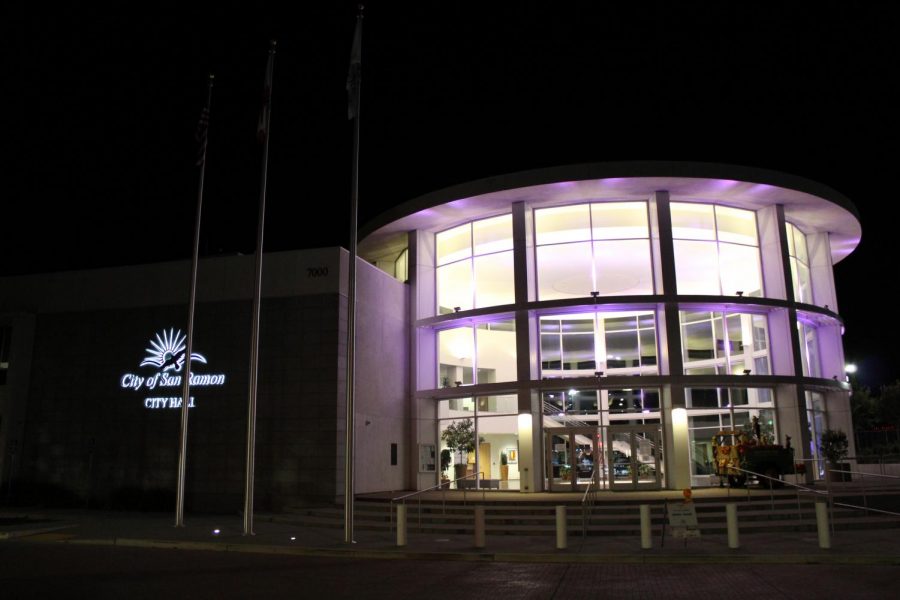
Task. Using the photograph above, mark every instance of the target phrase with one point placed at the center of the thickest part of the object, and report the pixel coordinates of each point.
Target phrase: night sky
(101, 105)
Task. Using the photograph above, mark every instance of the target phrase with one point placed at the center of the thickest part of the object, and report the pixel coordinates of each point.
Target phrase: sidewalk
(275, 535)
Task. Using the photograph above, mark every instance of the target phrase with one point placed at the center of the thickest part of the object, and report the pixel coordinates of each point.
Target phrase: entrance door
(634, 457)
(574, 458)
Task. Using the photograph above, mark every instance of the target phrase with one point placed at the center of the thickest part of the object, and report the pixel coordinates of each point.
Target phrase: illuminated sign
(166, 356)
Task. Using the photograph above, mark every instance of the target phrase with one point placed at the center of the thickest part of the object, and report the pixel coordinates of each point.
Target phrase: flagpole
(257, 293)
(353, 86)
(186, 394)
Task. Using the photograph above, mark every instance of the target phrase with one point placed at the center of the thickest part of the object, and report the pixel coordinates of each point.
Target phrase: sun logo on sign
(167, 352)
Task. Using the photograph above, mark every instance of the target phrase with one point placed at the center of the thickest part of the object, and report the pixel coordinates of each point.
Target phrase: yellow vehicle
(735, 454)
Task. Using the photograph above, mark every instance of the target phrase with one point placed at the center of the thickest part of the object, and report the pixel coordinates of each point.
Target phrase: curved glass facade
(628, 331)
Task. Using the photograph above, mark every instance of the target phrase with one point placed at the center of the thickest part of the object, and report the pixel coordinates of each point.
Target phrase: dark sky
(101, 104)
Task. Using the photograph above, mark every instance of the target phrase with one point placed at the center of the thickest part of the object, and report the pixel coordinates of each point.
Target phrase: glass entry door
(634, 457)
(574, 458)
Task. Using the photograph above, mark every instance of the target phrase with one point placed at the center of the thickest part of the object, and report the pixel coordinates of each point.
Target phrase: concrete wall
(88, 437)
(382, 381)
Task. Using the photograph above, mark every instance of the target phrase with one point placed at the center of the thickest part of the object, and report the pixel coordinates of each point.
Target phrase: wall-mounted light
(739, 293)
(746, 371)
(456, 309)
(458, 383)
(598, 373)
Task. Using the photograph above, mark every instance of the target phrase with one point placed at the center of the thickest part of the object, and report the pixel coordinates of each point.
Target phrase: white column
(527, 339)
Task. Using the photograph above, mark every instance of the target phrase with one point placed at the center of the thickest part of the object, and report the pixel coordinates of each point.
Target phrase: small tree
(834, 445)
(460, 438)
(446, 460)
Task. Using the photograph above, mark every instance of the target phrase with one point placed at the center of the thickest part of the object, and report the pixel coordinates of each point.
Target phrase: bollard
(822, 525)
(561, 528)
(401, 524)
(479, 527)
(646, 542)
(731, 519)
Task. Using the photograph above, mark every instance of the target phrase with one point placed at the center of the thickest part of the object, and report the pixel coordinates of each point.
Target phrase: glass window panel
(454, 287)
(740, 270)
(648, 347)
(622, 350)
(456, 352)
(794, 282)
(625, 401)
(551, 355)
(760, 337)
(564, 271)
(802, 288)
(623, 267)
(738, 367)
(401, 266)
(492, 235)
(496, 353)
(562, 224)
(800, 246)
(578, 352)
(698, 341)
(578, 325)
(647, 320)
(701, 371)
(735, 335)
(548, 325)
(584, 402)
(651, 400)
(812, 351)
(689, 316)
(454, 244)
(719, 334)
(696, 267)
(736, 225)
(702, 397)
(760, 366)
(741, 419)
(790, 239)
(494, 280)
(619, 323)
(497, 405)
(619, 220)
(692, 221)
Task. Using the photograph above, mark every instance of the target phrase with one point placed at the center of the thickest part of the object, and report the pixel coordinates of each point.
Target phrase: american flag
(265, 115)
(353, 77)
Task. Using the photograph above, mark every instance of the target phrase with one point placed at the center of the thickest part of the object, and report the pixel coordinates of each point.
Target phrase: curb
(507, 557)
(9, 535)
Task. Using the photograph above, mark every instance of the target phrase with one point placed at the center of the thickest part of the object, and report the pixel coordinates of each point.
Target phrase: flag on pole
(201, 136)
(353, 76)
(262, 128)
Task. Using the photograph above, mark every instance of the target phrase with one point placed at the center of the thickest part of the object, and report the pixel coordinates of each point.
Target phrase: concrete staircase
(609, 515)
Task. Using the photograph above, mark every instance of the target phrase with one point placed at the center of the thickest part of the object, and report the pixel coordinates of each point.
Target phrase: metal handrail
(828, 493)
(587, 503)
(444, 485)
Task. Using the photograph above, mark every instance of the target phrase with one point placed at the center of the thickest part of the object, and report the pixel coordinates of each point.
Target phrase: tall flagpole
(202, 134)
(354, 81)
(264, 133)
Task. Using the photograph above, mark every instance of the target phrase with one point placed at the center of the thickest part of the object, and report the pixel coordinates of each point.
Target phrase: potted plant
(446, 461)
(460, 439)
(834, 447)
(504, 467)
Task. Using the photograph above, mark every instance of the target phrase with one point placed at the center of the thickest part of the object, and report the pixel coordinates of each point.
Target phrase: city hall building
(597, 322)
